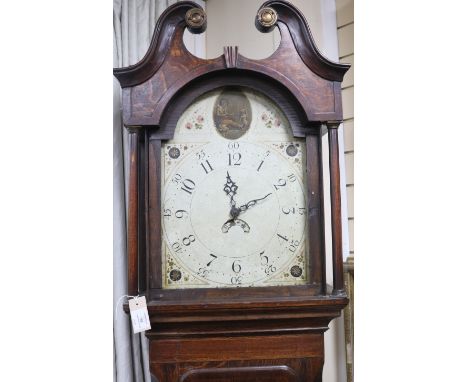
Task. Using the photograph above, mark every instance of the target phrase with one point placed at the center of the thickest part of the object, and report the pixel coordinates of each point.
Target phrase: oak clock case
(225, 201)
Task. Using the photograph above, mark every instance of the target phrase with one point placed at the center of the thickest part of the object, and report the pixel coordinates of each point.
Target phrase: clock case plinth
(233, 334)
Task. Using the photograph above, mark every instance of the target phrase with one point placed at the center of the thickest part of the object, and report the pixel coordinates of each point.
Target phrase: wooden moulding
(303, 369)
(335, 198)
(242, 304)
(154, 234)
(270, 348)
(233, 334)
(150, 85)
(132, 233)
(316, 223)
(234, 79)
(156, 90)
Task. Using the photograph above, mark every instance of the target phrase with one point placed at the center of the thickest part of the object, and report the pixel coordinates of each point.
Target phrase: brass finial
(195, 18)
(267, 17)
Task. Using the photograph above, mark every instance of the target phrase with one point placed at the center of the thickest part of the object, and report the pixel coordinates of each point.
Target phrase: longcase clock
(226, 212)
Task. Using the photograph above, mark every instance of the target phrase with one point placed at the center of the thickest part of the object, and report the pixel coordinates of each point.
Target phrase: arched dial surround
(233, 195)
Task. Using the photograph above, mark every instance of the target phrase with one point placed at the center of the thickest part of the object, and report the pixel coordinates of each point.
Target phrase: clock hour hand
(230, 188)
(252, 203)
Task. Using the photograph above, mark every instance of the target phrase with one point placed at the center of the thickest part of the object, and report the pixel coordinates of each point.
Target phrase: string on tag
(138, 312)
(120, 299)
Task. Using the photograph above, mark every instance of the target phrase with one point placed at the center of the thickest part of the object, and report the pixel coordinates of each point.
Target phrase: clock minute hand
(251, 203)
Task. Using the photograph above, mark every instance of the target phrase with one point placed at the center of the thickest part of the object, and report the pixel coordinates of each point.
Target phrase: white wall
(232, 23)
(345, 27)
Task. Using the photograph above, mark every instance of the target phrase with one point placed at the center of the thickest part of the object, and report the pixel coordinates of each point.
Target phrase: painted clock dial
(233, 195)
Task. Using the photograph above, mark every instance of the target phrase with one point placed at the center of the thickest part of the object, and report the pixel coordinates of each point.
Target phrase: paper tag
(139, 314)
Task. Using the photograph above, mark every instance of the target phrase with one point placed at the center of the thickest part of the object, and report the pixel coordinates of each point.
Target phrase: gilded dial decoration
(234, 210)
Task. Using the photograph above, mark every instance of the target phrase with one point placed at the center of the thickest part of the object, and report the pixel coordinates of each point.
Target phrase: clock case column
(233, 334)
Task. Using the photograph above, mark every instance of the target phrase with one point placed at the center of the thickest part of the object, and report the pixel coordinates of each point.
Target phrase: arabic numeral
(214, 258)
(270, 269)
(176, 179)
(185, 241)
(236, 267)
(188, 240)
(281, 183)
(188, 186)
(263, 160)
(207, 166)
(293, 210)
(292, 178)
(282, 237)
(176, 247)
(202, 272)
(260, 165)
(179, 214)
(201, 154)
(233, 145)
(236, 280)
(263, 259)
(293, 246)
(234, 159)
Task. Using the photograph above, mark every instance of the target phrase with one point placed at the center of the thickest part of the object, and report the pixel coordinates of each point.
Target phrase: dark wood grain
(146, 273)
(236, 328)
(274, 294)
(132, 221)
(150, 85)
(142, 216)
(242, 373)
(294, 20)
(154, 215)
(245, 347)
(171, 19)
(233, 334)
(335, 198)
(189, 306)
(234, 78)
(268, 370)
(315, 217)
